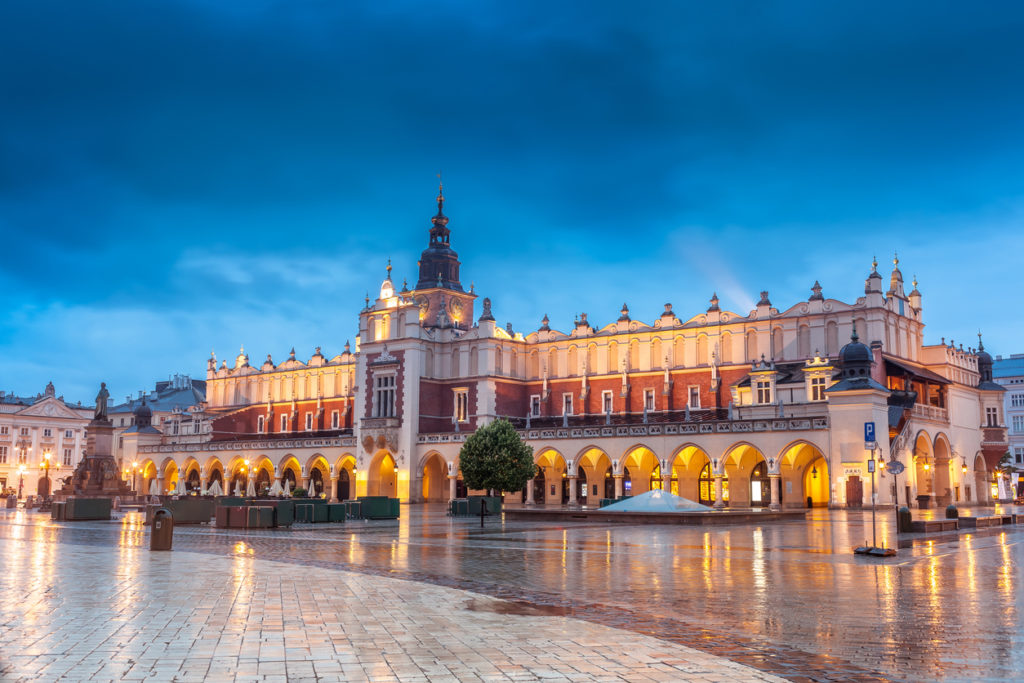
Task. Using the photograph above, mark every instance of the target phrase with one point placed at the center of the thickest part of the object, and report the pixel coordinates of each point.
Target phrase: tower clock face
(455, 308)
(424, 305)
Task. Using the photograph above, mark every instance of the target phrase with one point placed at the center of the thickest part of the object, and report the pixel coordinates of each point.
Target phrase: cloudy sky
(177, 177)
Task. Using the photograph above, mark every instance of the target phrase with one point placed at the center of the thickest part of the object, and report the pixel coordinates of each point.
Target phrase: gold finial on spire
(895, 259)
(389, 268)
(874, 264)
(440, 193)
(914, 281)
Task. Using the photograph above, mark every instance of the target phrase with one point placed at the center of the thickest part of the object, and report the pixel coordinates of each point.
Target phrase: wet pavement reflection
(789, 598)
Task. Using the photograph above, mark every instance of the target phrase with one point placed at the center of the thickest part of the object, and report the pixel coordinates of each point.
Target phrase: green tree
(495, 458)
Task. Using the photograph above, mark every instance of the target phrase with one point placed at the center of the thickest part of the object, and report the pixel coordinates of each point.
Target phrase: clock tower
(442, 301)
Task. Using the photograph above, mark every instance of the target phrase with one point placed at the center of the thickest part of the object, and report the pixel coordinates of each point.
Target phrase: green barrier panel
(493, 505)
(81, 509)
(379, 507)
(319, 513)
(284, 512)
(230, 501)
(57, 511)
(336, 512)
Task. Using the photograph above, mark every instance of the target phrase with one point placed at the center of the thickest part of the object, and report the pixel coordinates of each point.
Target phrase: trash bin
(12, 502)
(924, 501)
(163, 530)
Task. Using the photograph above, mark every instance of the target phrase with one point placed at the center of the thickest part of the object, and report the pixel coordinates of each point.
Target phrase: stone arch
(804, 474)
(147, 473)
(552, 467)
(924, 462)
(382, 476)
(434, 477)
(318, 475)
(345, 471)
(739, 463)
(687, 464)
(597, 479)
(640, 469)
(214, 472)
(982, 486)
(170, 470)
(942, 481)
(190, 473)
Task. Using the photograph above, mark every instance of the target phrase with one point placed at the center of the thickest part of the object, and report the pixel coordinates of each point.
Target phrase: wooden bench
(982, 522)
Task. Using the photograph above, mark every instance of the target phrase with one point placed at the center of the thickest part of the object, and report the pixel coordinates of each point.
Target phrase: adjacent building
(42, 439)
(759, 408)
(1009, 372)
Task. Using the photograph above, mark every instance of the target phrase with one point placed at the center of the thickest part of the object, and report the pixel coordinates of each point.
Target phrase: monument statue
(101, 402)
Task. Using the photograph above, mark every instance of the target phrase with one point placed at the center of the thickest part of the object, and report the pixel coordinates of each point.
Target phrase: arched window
(804, 341)
(474, 362)
(534, 364)
(634, 355)
(553, 363)
(679, 352)
(456, 370)
(725, 348)
(702, 350)
(656, 354)
(778, 352)
(831, 338)
(613, 357)
(498, 370)
(752, 354)
(592, 359)
(573, 367)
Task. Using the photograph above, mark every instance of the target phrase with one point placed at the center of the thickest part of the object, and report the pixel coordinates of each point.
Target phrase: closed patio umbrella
(238, 489)
(154, 488)
(288, 488)
(275, 489)
(215, 489)
(250, 488)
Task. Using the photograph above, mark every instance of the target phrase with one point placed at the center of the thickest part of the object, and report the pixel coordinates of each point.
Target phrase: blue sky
(177, 177)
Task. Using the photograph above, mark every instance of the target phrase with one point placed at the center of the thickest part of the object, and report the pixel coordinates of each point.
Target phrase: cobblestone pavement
(787, 598)
(79, 613)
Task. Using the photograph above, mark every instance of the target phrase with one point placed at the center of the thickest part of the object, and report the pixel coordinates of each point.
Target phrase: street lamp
(21, 479)
(45, 466)
(135, 474)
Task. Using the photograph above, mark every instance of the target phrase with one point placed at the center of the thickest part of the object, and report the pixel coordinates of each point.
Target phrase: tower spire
(440, 195)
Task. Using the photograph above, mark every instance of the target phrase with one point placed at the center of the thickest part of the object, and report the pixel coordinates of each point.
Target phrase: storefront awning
(901, 366)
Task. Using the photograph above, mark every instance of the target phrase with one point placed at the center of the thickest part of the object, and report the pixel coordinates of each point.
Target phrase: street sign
(871, 465)
(869, 432)
(894, 467)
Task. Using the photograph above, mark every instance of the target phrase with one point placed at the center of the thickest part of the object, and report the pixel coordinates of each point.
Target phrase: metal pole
(874, 542)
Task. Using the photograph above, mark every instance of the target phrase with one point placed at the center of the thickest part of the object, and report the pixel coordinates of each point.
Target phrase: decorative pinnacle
(874, 264)
(981, 346)
(389, 268)
(440, 193)
(895, 259)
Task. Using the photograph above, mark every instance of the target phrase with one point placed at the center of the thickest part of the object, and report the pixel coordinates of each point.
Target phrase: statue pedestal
(97, 475)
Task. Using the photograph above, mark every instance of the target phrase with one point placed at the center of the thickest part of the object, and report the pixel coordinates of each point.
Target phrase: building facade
(728, 408)
(42, 439)
(1009, 373)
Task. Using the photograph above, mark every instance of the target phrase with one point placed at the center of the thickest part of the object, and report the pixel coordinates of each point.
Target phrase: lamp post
(45, 466)
(135, 474)
(21, 479)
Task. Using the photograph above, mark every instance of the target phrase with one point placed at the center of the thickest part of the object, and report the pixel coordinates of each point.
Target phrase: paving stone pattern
(787, 598)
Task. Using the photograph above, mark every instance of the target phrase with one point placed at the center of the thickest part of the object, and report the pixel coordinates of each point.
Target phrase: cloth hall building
(765, 407)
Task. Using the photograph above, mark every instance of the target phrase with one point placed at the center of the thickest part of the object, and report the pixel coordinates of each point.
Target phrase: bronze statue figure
(101, 402)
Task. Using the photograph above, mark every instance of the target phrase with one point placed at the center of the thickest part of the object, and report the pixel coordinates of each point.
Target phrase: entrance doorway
(343, 484)
(760, 494)
(854, 492)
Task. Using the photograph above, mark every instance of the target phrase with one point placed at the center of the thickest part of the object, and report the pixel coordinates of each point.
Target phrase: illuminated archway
(382, 477)
(552, 471)
(745, 491)
(641, 470)
(434, 478)
(688, 465)
(804, 476)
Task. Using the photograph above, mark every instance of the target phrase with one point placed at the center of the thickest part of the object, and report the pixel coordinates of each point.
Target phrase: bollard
(163, 530)
(904, 521)
(952, 512)
(483, 511)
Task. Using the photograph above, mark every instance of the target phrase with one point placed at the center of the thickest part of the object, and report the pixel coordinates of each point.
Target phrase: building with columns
(760, 408)
(42, 438)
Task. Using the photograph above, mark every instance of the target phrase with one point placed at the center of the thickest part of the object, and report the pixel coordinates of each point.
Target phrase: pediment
(49, 407)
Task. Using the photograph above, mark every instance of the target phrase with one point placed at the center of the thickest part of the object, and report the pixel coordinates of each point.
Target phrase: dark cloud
(164, 156)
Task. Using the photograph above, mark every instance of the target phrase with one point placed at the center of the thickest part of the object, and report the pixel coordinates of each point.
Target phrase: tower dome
(855, 358)
(143, 415)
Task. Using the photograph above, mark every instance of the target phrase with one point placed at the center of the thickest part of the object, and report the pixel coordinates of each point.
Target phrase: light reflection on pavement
(789, 597)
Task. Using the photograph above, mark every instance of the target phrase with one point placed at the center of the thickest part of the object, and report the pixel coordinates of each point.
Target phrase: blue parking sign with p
(869, 432)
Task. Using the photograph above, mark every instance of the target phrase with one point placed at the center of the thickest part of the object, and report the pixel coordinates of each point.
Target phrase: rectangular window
(335, 419)
(261, 423)
(284, 423)
(67, 456)
(694, 397)
(24, 431)
(68, 434)
(175, 429)
(764, 391)
(1017, 400)
(1018, 455)
(196, 427)
(384, 396)
(535, 405)
(22, 456)
(461, 405)
(309, 422)
(648, 400)
(3, 429)
(1018, 423)
(606, 401)
(817, 388)
(47, 432)
(121, 424)
(567, 404)
(3, 455)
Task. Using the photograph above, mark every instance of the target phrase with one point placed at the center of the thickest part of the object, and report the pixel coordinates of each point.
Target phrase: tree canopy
(494, 457)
